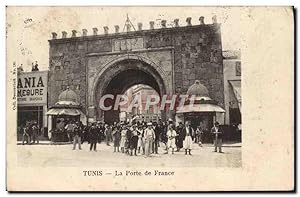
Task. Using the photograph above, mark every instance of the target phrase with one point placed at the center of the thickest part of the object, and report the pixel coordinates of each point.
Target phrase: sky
(28, 29)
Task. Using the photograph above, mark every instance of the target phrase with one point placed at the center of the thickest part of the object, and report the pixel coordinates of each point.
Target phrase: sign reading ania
(32, 87)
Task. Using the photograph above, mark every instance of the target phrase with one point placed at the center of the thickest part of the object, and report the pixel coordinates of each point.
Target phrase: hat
(149, 123)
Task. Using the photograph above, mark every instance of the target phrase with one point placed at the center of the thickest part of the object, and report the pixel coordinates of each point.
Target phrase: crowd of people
(141, 137)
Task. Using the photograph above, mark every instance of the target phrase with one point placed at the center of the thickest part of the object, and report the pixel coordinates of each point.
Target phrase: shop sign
(32, 88)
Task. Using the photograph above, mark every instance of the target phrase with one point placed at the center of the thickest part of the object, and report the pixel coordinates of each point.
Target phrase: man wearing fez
(187, 133)
(217, 133)
(93, 137)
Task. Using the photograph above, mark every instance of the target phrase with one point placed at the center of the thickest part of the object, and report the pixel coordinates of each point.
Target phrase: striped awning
(200, 108)
(69, 112)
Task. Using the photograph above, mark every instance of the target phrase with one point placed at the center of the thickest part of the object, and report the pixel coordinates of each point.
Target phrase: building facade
(232, 87)
(167, 59)
(32, 98)
(142, 114)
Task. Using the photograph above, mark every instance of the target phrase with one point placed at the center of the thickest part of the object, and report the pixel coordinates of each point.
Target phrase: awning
(236, 87)
(69, 112)
(66, 103)
(200, 108)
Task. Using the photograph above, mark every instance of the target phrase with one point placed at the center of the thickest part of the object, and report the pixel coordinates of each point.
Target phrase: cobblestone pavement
(63, 155)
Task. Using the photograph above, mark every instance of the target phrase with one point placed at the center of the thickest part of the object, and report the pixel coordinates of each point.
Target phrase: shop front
(32, 101)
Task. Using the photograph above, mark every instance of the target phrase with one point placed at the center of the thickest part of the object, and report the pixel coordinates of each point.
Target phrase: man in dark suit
(180, 137)
(217, 133)
(93, 137)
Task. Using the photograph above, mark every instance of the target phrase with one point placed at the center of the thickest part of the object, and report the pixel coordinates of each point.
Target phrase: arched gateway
(116, 76)
(167, 59)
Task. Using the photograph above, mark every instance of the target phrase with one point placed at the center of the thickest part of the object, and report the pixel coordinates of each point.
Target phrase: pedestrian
(70, 129)
(35, 132)
(188, 142)
(128, 139)
(180, 137)
(85, 134)
(140, 138)
(93, 137)
(199, 135)
(110, 137)
(163, 134)
(217, 133)
(149, 138)
(116, 134)
(134, 140)
(107, 132)
(77, 136)
(32, 67)
(171, 139)
(26, 135)
(29, 131)
(143, 141)
(100, 131)
(157, 130)
(123, 138)
(36, 66)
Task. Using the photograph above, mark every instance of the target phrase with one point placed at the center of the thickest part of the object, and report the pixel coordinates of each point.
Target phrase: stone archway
(122, 73)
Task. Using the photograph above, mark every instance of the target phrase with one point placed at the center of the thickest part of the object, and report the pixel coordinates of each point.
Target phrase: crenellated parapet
(128, 28)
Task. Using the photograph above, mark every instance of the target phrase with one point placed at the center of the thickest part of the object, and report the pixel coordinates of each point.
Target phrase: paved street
(63, 155)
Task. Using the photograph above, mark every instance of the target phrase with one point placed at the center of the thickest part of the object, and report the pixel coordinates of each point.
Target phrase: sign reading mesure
(32, 87)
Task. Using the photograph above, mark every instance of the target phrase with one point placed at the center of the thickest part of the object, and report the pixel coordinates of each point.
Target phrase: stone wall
(67, 68)
(196, 53)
